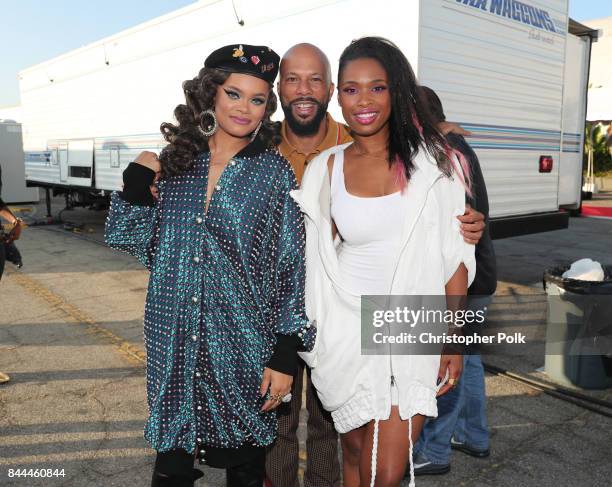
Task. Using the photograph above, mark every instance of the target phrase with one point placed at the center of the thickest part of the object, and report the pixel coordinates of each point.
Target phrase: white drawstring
(411, 484)
(374, 453)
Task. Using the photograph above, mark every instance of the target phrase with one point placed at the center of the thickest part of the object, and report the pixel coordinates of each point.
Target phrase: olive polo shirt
(337, 133)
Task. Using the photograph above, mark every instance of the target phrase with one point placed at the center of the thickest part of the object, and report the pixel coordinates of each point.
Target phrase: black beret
(259, 61)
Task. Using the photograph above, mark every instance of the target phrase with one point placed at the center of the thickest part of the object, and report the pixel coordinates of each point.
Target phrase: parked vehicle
(11, 160)
(513, 73)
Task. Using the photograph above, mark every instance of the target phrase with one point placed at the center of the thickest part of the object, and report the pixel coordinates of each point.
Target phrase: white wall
(600, 80)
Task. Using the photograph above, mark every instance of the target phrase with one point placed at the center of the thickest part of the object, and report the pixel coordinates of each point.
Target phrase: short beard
(305, 129)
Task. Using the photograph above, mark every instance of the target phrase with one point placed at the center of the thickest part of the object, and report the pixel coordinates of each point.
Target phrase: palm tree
(597, 142)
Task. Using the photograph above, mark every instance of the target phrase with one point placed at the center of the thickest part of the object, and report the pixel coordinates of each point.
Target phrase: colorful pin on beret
(259, 61)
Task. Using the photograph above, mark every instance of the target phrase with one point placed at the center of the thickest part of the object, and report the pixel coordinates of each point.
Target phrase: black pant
(249, 474)
(176, 468)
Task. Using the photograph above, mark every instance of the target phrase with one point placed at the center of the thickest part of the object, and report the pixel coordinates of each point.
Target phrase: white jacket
(356, 388)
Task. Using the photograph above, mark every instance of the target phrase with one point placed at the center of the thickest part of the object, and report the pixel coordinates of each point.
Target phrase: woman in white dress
(380, 219)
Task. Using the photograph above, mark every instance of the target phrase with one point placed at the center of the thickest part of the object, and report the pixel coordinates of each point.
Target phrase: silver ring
(286, 397)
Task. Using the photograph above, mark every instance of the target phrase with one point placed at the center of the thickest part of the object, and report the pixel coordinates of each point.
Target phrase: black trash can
(579, 330)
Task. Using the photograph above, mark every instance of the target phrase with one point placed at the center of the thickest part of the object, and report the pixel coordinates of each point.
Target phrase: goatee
(299, 127)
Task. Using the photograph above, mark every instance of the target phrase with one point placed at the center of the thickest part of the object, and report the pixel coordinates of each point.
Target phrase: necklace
(372, 155)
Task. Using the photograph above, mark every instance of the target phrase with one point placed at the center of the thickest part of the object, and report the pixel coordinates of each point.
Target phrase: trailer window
(80, 172)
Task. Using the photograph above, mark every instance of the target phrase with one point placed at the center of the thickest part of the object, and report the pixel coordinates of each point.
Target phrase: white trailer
(11, 163)
(514, 73)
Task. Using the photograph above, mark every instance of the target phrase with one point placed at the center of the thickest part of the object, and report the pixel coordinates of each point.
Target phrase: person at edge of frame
(381, 219)
(224, 241)
(7, 239)
(461, 423)
(305, 89)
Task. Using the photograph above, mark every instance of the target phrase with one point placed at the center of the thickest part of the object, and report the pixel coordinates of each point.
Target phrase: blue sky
(32, 31)
(590, 9)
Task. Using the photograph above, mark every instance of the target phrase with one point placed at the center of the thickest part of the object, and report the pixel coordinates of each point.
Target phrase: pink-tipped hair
(400, 174)
(462, 168)
(458, 160)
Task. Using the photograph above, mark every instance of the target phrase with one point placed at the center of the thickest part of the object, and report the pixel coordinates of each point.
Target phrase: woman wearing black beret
(224, 242)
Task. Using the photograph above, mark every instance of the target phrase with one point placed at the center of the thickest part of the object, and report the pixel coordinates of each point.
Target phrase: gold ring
(452, 382)
(276, 397)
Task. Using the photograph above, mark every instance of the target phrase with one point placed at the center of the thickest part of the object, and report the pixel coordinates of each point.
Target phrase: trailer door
(574, 93)
(61, 155)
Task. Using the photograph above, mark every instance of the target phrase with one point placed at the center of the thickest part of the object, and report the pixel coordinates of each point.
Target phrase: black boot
(248, 474)
(175, 469)
(160, 480)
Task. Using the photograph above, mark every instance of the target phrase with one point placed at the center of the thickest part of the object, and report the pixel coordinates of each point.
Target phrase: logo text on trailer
(515, 10)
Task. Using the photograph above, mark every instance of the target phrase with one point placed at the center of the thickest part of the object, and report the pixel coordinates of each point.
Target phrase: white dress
(371, 231)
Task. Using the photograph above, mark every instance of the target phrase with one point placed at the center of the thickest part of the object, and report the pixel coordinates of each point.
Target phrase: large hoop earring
(256, 131)
(207, 129)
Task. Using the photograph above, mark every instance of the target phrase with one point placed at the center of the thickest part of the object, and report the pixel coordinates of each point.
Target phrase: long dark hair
(410, 124)
(185, 141)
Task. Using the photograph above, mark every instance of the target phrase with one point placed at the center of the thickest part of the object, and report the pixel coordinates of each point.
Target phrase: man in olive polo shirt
(305, 88)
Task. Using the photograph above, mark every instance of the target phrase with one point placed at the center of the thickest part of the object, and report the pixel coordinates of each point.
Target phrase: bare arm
(452, 362)
(457, 285)
(7, 214)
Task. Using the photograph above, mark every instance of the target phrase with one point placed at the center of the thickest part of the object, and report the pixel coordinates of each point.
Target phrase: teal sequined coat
(223, 286)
